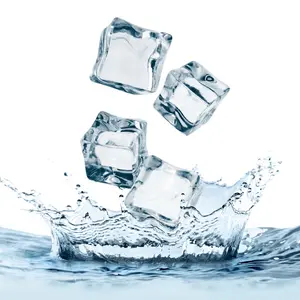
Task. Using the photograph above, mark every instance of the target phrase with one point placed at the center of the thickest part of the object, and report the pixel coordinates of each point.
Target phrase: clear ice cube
(160, 189)
(189, 97)
(213, 197)
(114, 149)
(130, 58)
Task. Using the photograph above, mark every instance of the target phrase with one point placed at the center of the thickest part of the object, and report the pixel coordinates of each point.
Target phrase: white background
(47, 102)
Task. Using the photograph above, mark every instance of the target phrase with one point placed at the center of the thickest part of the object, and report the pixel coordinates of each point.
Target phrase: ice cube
(114, 149)
(159, 189)
(130, 58)
(213, 197)
(189, 97)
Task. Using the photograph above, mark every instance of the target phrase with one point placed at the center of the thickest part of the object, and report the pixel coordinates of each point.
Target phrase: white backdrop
(47, 102)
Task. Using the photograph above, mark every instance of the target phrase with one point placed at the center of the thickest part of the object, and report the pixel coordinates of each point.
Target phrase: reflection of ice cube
(190, 96)
(130, 58)
(159, 189)
(114, 149)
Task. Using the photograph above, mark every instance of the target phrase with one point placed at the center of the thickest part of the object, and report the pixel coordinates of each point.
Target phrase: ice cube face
(114, 149)
(130, 58)
(159, 189)
(189, 97)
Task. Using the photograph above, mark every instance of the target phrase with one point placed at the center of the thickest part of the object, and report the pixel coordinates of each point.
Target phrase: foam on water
(91, 231)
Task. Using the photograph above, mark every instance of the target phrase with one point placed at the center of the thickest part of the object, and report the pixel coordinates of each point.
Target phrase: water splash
(211, 229)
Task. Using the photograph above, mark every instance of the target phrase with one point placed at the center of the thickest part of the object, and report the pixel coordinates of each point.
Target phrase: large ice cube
(159, 189)
(190, 96)
(114, 149)
(130, 58)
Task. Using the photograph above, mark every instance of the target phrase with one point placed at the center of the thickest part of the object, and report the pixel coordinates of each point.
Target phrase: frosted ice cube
(114, 149)
(130, 58)
(189, 97)
(159, 189)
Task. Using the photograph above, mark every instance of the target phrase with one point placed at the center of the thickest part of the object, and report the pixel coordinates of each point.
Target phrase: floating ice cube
(159, 189)
(130, 58)
(114, 149)
(190, 96)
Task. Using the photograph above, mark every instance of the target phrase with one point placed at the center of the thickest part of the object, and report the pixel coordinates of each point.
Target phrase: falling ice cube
(190, 96)
(160, 189)
(114, 149)
(130, 58)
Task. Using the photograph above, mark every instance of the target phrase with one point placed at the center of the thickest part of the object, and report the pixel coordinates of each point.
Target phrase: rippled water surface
(97, 253)
(268, 262)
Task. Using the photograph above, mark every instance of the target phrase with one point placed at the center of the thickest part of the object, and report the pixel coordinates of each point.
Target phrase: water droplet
(123, 207)
(186, 215)
(209, 78)
(183, 203)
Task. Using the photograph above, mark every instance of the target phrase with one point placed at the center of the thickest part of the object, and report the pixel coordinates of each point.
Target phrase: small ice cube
(114, 149)
(130, 58)
(159, 189)
(213, 197)
(189, 97)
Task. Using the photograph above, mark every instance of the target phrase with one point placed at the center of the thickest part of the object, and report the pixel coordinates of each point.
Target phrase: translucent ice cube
(190, 96)
(213, 197)
(130, 58)
(160, 188)
(114, 149)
